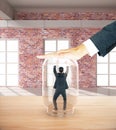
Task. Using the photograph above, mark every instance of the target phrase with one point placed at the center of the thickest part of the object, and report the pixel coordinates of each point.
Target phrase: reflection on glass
(48, 79)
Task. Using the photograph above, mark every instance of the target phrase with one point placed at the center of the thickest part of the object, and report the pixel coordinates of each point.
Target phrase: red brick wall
(23, 15)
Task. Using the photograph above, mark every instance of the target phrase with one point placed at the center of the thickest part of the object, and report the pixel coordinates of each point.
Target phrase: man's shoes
(64, 111)
(55, 111)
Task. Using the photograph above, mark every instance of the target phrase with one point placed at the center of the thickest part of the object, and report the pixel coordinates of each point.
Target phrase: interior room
(32, 28)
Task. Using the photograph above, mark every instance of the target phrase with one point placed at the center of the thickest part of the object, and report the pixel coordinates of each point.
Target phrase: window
(9, 62)
(53, 46)
(106, 69)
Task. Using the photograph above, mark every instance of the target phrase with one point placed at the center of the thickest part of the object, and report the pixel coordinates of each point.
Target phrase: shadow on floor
(17, 91)
(35, 91)
(108, 91)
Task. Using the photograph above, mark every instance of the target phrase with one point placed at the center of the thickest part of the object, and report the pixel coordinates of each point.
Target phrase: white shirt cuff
(91, 48)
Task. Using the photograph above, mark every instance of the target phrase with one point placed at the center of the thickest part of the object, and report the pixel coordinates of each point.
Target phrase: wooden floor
(28, 113)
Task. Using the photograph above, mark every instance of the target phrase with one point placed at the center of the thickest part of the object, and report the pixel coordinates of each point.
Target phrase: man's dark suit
(105, 40)
(60, 86)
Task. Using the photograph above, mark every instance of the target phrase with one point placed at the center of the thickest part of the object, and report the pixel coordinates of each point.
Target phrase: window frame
(109, 74)
(56, 44)
(6, 63)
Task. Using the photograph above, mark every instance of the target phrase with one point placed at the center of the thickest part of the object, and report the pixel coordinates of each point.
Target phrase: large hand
(72, 53)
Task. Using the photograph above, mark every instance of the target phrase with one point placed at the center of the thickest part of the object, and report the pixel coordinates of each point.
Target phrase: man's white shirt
(91, 48)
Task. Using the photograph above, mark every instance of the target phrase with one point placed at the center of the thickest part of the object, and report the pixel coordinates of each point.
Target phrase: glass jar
(60, 88)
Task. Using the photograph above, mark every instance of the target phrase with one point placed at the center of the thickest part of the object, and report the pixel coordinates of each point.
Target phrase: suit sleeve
(105, 40)
(54, 70)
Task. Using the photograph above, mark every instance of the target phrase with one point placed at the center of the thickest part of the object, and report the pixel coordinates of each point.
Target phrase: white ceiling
(62, 3)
